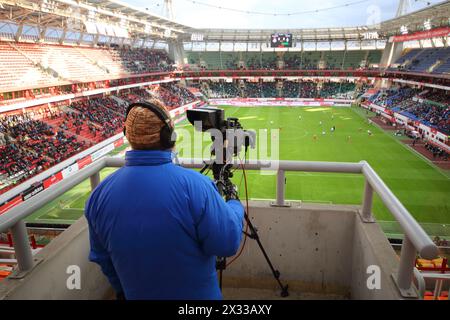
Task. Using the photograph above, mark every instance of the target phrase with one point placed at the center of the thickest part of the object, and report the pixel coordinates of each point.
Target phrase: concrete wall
(176, 52)
(391, 53)
(48, 279)
(371, 248)
(309, 244)
(322, 249)
(317, 248)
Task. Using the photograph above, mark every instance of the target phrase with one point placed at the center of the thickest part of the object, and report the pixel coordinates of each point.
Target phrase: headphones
(167, 131)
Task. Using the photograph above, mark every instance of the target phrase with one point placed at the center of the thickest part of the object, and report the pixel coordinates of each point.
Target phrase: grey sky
(196, 15)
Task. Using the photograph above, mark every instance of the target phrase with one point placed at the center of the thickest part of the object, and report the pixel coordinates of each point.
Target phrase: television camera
(228, 137)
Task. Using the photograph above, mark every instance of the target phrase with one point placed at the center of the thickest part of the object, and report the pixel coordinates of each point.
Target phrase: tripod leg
(276, 273)
(220, 279)
(221, 264)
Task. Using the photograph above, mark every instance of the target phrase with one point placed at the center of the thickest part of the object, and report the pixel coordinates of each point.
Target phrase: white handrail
(416, 240)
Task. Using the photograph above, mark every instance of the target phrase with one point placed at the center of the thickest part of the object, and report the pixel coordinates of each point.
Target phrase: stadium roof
(76, 16)
(127, 21)
(132, 11)
(439, 15)
(249, 35)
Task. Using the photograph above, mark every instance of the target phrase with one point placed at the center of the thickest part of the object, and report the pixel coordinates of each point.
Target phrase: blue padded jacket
(155, 229)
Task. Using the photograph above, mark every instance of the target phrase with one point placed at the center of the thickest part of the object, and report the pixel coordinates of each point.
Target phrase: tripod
(222, 174)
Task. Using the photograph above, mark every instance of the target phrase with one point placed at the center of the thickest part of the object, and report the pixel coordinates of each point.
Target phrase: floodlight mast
(169, 9)
(404, 7)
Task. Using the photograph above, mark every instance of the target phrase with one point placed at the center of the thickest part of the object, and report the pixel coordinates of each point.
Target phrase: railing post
(405, 273)
(22, 247)
(95, 180)
(366, 211)
(437, 288)
(281, 182)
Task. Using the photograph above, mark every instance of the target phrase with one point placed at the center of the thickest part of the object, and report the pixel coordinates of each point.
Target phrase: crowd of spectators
(269, 90)
(33, 141)
(253, 90)
(307, 62)
(30, 146)
(220, 89)
(308, 89)
(431, 108)
(393, 97)
(143, 60)
(439, 96)
(286, 89)
(105, 112)
(173, 95)
(434, 115)
(361, 89)
(266, 63)
(344, 90)
(134, 95)
(291, 89)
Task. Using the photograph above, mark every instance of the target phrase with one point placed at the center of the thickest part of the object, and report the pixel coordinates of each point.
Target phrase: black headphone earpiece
(167, 135)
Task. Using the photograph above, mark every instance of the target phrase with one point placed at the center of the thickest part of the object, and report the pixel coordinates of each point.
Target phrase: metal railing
(415, 239)
(439, 279)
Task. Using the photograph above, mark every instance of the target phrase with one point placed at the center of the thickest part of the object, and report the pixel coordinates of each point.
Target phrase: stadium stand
(310, 60)
(31, 146)
(252, 90)
(430, 107)
(289, 89)
(19, 71)
(35, 140)
(34, 65)
(105, 112)
(334, 60)
(134, 95)
(269, 90)
(142, 61)
(435, 60)
(213, 89)
(307, 60)
(342, 89)
(353, 59)
(408, 54)
(440, 96)
(173, 96)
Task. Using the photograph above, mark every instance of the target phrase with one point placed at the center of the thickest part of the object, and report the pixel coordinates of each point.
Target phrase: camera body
(206, 118)
(234, 137)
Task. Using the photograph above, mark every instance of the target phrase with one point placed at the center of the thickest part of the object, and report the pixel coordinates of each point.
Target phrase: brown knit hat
(143, 127)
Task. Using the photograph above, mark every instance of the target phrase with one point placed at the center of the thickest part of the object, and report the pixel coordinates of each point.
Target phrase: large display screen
(281, 40)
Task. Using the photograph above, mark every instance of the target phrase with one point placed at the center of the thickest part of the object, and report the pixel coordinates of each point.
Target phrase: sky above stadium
(206, 14)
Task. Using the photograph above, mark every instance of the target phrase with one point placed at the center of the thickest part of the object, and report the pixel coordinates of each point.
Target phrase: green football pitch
(304, 134)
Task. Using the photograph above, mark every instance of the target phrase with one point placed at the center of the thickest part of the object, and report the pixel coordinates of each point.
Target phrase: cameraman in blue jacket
(156, 228)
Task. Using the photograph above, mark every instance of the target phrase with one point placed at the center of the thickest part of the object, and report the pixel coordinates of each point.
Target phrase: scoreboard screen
(281, 40)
